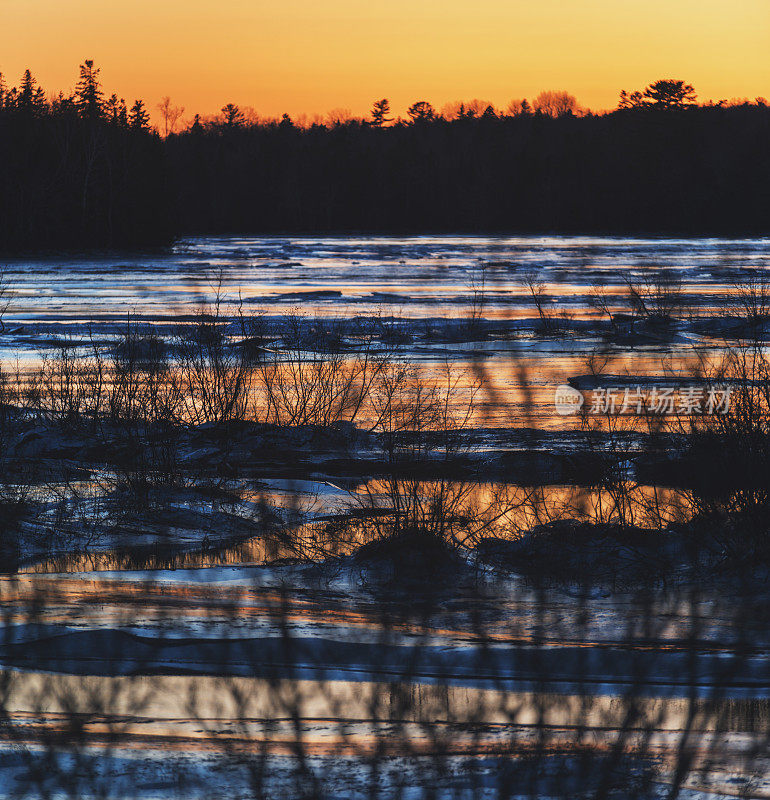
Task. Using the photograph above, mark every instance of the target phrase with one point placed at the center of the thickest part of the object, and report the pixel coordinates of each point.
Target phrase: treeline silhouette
(88, 171)
(80, 170)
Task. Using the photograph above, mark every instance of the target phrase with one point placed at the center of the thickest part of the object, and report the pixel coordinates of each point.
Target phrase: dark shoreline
(502, 234)
(697, 171)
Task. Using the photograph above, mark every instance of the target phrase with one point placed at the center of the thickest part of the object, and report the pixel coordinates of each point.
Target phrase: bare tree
(518, 108)
(453, 110)
(5, 300)
(462, 109)
(171, 115)
(339, 116)
(556, 103)
(655, 296)
(478, 107)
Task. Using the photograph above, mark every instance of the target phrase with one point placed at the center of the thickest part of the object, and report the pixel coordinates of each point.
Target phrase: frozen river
(389, 673)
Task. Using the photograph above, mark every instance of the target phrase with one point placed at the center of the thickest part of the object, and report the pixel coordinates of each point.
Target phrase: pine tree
(670, 93)
(421, 111)
(380, 111)
(30, 96)
(62, 104)
(88, 92)
(115, 110)
(233, 116)
(139, 119)
(633, 100)
(26, 89)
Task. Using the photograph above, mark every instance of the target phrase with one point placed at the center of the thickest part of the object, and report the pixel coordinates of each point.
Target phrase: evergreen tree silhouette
(232, 116)
(80, 171)
(380, 111)
(421, 111)
(88, 92)
(115, 110)
(139, 119)
(670, 93)
(31, 97)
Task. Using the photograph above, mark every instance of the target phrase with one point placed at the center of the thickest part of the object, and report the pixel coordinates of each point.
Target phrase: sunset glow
(302, 56)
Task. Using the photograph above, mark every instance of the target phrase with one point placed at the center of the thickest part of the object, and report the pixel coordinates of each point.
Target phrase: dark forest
(88, 171)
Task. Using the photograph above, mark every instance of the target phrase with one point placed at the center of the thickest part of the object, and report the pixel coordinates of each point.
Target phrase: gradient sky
(313, 55)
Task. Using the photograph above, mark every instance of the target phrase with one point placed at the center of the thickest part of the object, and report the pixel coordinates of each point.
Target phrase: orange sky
(314, 55)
